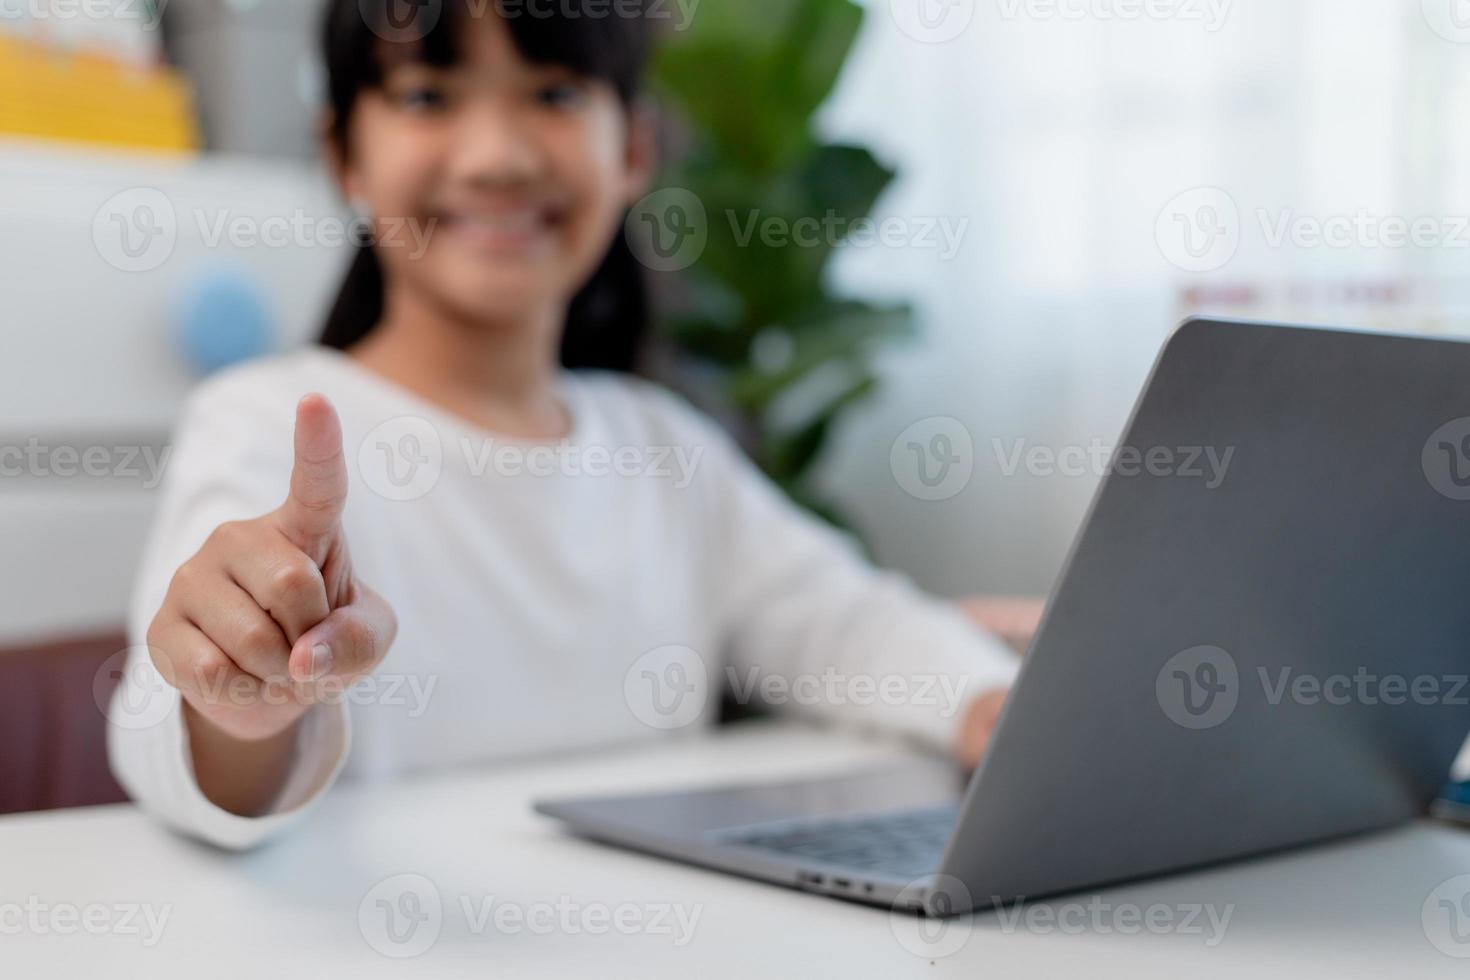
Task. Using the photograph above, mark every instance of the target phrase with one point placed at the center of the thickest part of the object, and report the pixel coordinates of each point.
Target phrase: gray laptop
(1226, 667)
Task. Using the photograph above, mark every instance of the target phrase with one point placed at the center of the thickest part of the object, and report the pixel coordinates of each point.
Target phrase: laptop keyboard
(908, 843)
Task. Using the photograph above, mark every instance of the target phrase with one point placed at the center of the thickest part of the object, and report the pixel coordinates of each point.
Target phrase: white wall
(89, 356)
(1062, 135)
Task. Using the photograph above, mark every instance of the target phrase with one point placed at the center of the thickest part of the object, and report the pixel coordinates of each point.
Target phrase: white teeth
(510, 222)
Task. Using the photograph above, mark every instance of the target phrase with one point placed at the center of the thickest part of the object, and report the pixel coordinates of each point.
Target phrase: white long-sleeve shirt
(604, 588)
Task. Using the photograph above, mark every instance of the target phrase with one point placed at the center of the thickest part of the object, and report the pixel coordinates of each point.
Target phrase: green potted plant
(756, 310)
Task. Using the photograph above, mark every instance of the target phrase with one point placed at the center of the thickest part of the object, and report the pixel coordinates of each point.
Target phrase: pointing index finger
(318, 493)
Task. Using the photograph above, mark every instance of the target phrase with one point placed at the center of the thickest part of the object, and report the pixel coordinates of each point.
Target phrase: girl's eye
(561, 95)
(421, 98)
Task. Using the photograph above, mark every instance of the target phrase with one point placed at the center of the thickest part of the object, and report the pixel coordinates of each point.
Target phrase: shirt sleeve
(230, 460)
(809, 624)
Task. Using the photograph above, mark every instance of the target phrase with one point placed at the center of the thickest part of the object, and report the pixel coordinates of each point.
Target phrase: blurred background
(1027, 195)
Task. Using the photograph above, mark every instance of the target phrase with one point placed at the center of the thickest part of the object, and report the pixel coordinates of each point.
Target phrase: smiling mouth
(500, 231)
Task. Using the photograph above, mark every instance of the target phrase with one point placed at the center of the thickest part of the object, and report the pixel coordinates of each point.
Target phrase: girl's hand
(266, 620)
(978, 727)
(1013, 620)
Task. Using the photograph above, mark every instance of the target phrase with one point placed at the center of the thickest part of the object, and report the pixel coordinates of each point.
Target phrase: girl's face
(515, 174)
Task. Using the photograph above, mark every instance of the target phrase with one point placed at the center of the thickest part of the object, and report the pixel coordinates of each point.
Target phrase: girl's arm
(219, 725)
(804, 615)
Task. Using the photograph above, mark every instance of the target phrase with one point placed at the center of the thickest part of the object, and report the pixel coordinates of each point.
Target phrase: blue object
(1456, 793)
(223, 318)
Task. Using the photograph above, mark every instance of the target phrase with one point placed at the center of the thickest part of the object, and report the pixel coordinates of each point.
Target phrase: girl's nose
(493, 144)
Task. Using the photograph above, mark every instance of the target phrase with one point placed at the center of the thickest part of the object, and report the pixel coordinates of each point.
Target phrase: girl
(555, 558)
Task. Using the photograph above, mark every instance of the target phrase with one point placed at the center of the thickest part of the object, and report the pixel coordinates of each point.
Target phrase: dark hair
(608, 319)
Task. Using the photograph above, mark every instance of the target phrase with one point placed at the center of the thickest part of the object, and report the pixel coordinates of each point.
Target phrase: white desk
(292, 909)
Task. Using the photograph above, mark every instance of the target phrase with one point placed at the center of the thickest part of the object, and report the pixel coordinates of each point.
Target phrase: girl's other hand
(1014, 620)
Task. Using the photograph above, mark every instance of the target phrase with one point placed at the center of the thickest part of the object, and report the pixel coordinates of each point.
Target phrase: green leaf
(841, 333)
(815, 46)
(845, 180)
(746, 80)
(792, 454)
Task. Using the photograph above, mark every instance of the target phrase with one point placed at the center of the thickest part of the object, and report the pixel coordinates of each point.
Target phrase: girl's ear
(642, 153)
